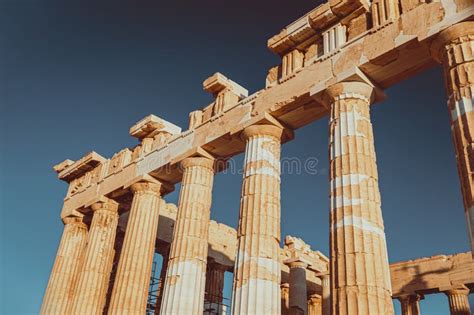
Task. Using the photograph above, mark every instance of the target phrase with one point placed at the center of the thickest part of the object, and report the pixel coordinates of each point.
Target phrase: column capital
(106, 205)
(296, 263)
(262, 130)
(449, 35)
(315, 297)
(198, 161)
(324, 276)
(147, 187)
(75, 220)
(415, 297)
(353, 89)
(461, 290)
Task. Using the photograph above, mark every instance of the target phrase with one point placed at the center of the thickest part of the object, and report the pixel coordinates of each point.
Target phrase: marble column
(454, 48)
(130, 292)
(459, 301)
(410, 304)
(214, 289)
(257, 271)
(360, 274)
(326, 294)
(185, 280)
(298, 288)
(165, 254)
(92, 284)
(285, 298)
(119, 238)
(60, 289)
(315, 305)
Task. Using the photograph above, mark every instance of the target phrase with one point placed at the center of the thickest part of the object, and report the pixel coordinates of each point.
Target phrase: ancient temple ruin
(336, 61)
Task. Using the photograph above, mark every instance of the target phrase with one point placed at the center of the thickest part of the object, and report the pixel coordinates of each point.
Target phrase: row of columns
(458, 302)
(360, 278)
(88, 267)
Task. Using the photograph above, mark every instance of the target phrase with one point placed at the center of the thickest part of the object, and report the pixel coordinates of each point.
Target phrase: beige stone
(185, 279)
(257, 266)
(458, 301)
(130, 291)
(454, 48)
(360, 275)
(401, 50)
(226, 92)
(326, 294)
(62, 281)
(151, 126)
(430, 275)
(119, 238)
(323, 54)
(410, 304)
(315, 305)
(285, 298)
(93, 279)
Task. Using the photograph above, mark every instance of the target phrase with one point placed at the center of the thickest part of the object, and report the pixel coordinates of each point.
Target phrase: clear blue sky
(76, 75)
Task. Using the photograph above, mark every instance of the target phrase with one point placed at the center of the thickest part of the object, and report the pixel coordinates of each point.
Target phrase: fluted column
(410, 304)
(185, 280)
(130, 292)
(119, 238)
(326, 294)
(298, 288)
(315, 305)
(214, 289)
(285, 298)
(60, 289)
(93, 280)
(459, 301)
(360, 275)
(454, 48)
(257, 271)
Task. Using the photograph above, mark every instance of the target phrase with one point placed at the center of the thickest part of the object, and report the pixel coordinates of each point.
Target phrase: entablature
(70, 171)
(383, 56)
(226, 93)
(296, 249)
(432, 274)
(324, 31)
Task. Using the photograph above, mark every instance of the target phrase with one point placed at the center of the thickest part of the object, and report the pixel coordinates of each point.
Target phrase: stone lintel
(165, 187)
(193, 152)
(218, 82)
(295, 249)
(318, 91)
(322, 274)
(322, 17)
(290, 101)
(346, 7)
(435, 274)
(80, 167)
(99, 199)
(58, 168)
(297, 261)
(220, 164)
(267, 119)
(288, 38)
(152, 125)
(311, 24)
